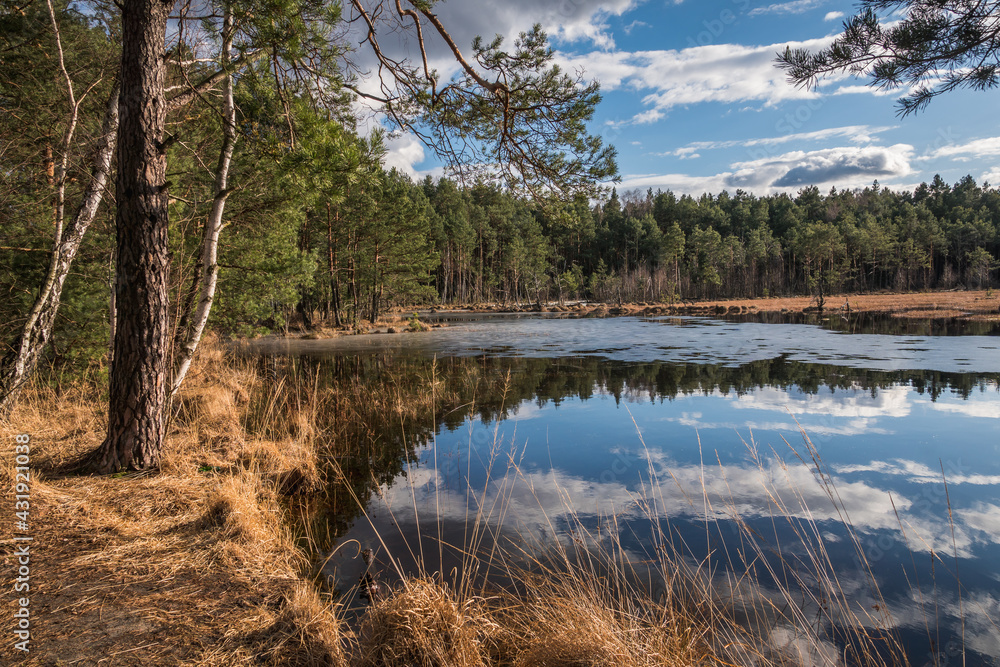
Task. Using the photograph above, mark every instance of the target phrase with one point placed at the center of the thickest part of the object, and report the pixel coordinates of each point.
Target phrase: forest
(316, 229)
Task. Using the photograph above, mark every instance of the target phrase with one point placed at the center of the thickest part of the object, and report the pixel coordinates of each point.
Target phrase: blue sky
(694, 104)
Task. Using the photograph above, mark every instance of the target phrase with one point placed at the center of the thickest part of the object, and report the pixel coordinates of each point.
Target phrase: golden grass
(423, 624)
(928, 304)
(575, 620)
(196, 564)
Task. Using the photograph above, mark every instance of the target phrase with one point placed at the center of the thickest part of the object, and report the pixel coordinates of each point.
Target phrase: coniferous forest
(315, 227)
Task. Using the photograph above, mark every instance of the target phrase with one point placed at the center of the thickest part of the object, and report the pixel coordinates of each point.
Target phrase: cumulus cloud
(567, 20)
(889, 402)
(838, 164)
(536, 501)
(833, 16)
(404, 152)
(992, 176)
(715, 73)
(843, 167)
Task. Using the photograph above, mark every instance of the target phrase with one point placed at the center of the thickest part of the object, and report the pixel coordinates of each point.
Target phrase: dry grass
(424, 624)
(911, 304)
(574, 619)
(194, 565)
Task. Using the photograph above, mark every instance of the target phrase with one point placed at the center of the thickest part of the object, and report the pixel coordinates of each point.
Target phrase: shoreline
(961, 306)
(972, 305)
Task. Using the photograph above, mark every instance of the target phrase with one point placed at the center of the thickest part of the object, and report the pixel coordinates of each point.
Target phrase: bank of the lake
(955, 306)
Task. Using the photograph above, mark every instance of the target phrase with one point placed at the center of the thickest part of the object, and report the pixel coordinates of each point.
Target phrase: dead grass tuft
(306, 631)
(579, 627)
(423, 624)
(290, 465)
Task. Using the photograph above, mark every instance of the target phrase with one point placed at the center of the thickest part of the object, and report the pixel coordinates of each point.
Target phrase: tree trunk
(334, 265)
(213, 226)
(20, 361)
(138, 384)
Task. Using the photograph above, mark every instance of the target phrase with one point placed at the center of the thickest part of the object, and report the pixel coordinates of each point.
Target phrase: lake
(557, 426)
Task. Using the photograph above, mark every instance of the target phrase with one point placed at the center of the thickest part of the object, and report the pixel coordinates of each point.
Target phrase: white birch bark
(20, 361)
(214, 223)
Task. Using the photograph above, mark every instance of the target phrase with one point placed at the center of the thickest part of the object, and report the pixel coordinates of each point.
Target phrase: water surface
(709, 419)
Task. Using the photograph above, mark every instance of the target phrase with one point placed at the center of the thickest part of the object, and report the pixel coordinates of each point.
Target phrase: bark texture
(138, 384)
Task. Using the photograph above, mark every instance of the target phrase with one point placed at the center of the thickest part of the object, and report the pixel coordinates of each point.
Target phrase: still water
(577, 424)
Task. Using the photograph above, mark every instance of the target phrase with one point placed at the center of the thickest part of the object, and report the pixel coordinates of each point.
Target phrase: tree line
(482, 243)
(647, 246)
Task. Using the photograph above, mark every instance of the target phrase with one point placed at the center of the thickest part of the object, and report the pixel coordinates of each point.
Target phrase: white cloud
(404, 152)
(969, 408)
(858, 134)
(982, 517)
(540, 500)
(572, 21)
(864, 90)
(833, 16)
(919, 473)
(647, 116)
(633, 25)
(714, 73)
(989, 146)
(840, 165)
(536, 500)
(795, 7)
(992, 176)
(888, 402)
(844, 167)
(567, 20)
(724, 73)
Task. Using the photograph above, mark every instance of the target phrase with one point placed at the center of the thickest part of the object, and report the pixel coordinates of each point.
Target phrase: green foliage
(35, 119)
(640, 246)
(516, 117)
(937, 46)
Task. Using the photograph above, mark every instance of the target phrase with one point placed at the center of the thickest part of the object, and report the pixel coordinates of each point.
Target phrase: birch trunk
(213, 226)
(23, 355)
